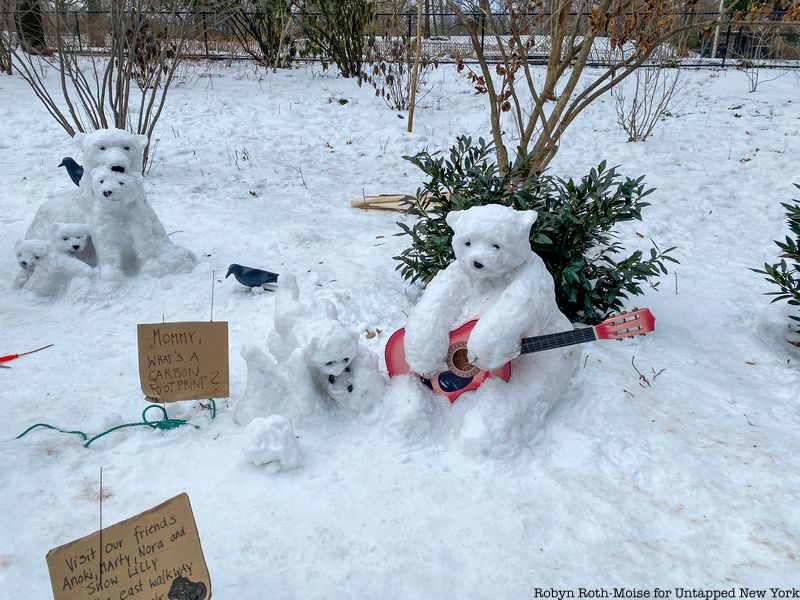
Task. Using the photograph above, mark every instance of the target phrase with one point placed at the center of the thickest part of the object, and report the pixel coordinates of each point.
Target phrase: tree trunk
(30, 26)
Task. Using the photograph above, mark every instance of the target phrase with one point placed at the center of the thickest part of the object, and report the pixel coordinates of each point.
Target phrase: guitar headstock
(625, 325)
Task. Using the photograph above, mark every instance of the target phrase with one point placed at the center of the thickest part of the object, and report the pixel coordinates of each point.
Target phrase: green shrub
(574, 233)
(336, 32)
(786, 275)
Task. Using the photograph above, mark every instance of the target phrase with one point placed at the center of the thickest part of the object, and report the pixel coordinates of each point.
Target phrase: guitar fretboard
(557, 340)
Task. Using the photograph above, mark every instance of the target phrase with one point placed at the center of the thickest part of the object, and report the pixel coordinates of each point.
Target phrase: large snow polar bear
(497, 278)
(116, 149)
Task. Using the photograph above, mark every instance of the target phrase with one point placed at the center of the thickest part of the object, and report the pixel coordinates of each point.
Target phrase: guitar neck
(558, 340)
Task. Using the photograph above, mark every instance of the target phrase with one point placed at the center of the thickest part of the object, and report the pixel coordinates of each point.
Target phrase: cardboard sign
(184, 361)
(153, 556)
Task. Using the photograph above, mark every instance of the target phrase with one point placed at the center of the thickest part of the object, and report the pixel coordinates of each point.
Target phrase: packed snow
(670, 460)
(270, 441)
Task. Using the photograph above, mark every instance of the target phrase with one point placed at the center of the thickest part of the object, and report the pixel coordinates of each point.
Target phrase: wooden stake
(415, 73)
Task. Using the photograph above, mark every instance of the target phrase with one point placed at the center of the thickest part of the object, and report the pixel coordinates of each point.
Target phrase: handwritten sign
(184, 361)
(155, 555)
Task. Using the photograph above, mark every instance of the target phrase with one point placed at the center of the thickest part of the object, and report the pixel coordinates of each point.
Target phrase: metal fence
(445, 38)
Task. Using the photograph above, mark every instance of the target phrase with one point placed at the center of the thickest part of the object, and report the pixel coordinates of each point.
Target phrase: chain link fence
(211, 36)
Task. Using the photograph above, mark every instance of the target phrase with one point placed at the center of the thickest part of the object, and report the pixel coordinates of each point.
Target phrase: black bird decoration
(74, 170)
(250, 276)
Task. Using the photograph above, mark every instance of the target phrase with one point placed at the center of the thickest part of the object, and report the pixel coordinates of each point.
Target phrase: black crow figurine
(251, 277)
(74, 170)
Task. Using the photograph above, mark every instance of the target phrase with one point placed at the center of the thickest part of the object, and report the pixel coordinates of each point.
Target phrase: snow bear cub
(497, 278)
(74, 239)
(127, 234)
(323, 359)
(56, 270)
(29, 254)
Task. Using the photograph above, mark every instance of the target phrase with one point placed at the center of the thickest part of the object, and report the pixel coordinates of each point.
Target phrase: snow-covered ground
(690, 481)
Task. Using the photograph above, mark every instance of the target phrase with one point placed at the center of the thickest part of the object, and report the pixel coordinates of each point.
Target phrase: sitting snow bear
(497, 278)
(115, 149)
(127, 235)
(74, 239)
(29, 253)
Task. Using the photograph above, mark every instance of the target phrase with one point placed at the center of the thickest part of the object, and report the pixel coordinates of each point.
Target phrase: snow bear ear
(330, 309)
(141, 141)
(527, 218)
(78, 138)
(453, 217)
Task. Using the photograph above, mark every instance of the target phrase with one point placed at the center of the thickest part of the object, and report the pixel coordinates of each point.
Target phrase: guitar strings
(557, 340)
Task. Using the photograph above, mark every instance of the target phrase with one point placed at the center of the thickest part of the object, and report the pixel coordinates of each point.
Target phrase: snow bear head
(70, 238)
(332, 349)
(30, 253)
(114, 187)
(117, 149)
(491, 240)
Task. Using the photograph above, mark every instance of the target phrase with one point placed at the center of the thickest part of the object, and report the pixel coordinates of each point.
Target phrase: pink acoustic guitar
(462, 376)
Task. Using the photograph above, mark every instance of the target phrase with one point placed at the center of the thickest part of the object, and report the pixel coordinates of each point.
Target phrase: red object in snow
(9, 357)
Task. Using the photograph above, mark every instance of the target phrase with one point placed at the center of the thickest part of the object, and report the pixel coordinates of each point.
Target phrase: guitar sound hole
(461, 362)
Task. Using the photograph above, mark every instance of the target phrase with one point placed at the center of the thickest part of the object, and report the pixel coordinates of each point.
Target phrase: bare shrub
(566, 33)
(7, 41)
(263, 29)
(653, 91)
(127, 86)
(392, 65)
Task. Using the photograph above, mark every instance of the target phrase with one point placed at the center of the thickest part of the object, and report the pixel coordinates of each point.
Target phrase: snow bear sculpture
(74, 239)
(497, 278)
(271, 441)
(323, 357)
(316, 361)
(29, 254)
(115, 149)
(58, 267)
(127, 235)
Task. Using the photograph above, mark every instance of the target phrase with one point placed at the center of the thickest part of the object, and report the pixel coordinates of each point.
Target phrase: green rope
(164, 423)
(46, 426)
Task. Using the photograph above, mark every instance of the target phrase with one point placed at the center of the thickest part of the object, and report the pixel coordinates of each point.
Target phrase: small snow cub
(497, 278)
(74, 239)
(29, 253)
(56, 271)
(322, 356)
(127, 235)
